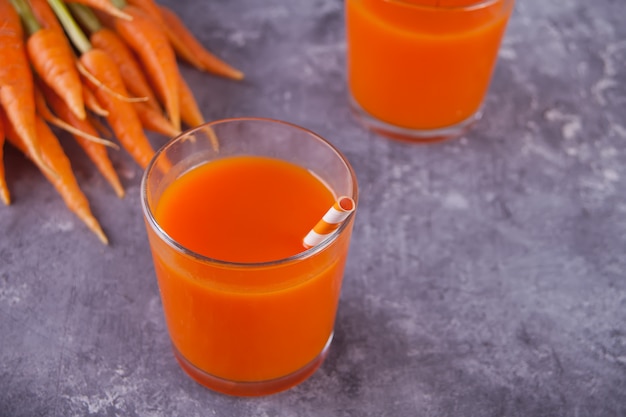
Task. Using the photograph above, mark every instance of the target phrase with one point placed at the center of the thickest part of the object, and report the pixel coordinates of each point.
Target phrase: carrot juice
(420, 68)
(249, 310)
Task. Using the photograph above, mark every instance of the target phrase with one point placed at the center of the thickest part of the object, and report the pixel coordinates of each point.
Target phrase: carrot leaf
(85, 16)
(72, 29)
(27, 16)
(120, 4)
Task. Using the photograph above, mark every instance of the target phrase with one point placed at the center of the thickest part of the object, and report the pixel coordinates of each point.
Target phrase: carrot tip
(79, 112)
(237, 75)
(228, 72)
(95, 227)
(6, 197)
(103, 239)
(115, 183)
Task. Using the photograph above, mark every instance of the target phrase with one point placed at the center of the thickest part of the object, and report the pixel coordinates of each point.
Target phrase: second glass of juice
(420, 69)
(249, 310)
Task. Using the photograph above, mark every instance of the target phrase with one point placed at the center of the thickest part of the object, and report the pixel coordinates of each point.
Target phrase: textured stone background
(487, 275)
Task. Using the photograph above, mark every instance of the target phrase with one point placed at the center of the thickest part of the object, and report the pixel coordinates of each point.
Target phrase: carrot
(65, 181)
(44, 14)
(95, 151)
(189, 47)
(105, 6)
(152, 119)
(46, 114)
(125, 97)
(130, 70)
(100, 126)
(55, 65)
(122, 117)
(10, 19)
(91, 102)
(191, 114)
(189, 110)
(110, 42)
(144, 36)
(4, 189)
(46, 17)
(149, 7)
(180, 48)
(53, 60)
(186, 45)
(16, 80)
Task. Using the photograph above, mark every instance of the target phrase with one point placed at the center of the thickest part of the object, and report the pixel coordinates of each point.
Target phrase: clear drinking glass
(248, 328)
(420, 69)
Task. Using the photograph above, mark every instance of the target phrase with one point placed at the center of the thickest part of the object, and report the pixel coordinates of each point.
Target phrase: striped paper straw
(331, 221)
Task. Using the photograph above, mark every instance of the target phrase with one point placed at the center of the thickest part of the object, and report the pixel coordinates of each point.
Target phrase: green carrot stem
(85, 16)
(120, 4)
(27, 16)
(72, 29)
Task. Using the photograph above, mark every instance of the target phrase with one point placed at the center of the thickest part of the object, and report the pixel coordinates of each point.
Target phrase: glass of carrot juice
(249, 308)
(420, 69)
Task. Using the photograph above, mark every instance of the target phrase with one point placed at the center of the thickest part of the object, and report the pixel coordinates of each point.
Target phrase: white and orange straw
(331, 221)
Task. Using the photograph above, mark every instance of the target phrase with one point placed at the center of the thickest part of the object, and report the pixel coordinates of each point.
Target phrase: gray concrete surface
(487, 275)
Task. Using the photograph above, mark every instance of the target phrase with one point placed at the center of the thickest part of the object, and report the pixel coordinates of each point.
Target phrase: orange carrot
(95, 151)
(10, 19)
(65, 181)
(109, 41)
(89, 76)
(100, 126)
(186, 45)
(189, 47)
(47, 115)
(180, 48)
(52, 58)
(106, 83)
(130, 69)
(45, 15)
(16, 80)
(4, 189)
(150, 7)
(191, 113)
(189, 110)
(103, 5)
(91, 102)
(145, 37)
(47, 18)
(122, 117)
(153, 120)
(54, 61)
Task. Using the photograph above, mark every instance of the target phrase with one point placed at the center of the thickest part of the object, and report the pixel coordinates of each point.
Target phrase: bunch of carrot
(72, 63)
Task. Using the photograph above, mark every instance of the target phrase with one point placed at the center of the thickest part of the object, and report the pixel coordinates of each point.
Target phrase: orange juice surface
(253, 322)
(243, 209)
(421, 64)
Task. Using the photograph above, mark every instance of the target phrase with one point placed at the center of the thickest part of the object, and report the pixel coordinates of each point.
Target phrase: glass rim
(175, 245)
(429, 7)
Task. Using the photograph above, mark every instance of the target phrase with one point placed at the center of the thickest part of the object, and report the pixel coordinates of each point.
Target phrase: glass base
(412, 135)
(252, 389)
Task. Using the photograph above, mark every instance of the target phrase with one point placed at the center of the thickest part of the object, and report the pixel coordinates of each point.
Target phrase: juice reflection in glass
(248, 309)
(420, 69)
